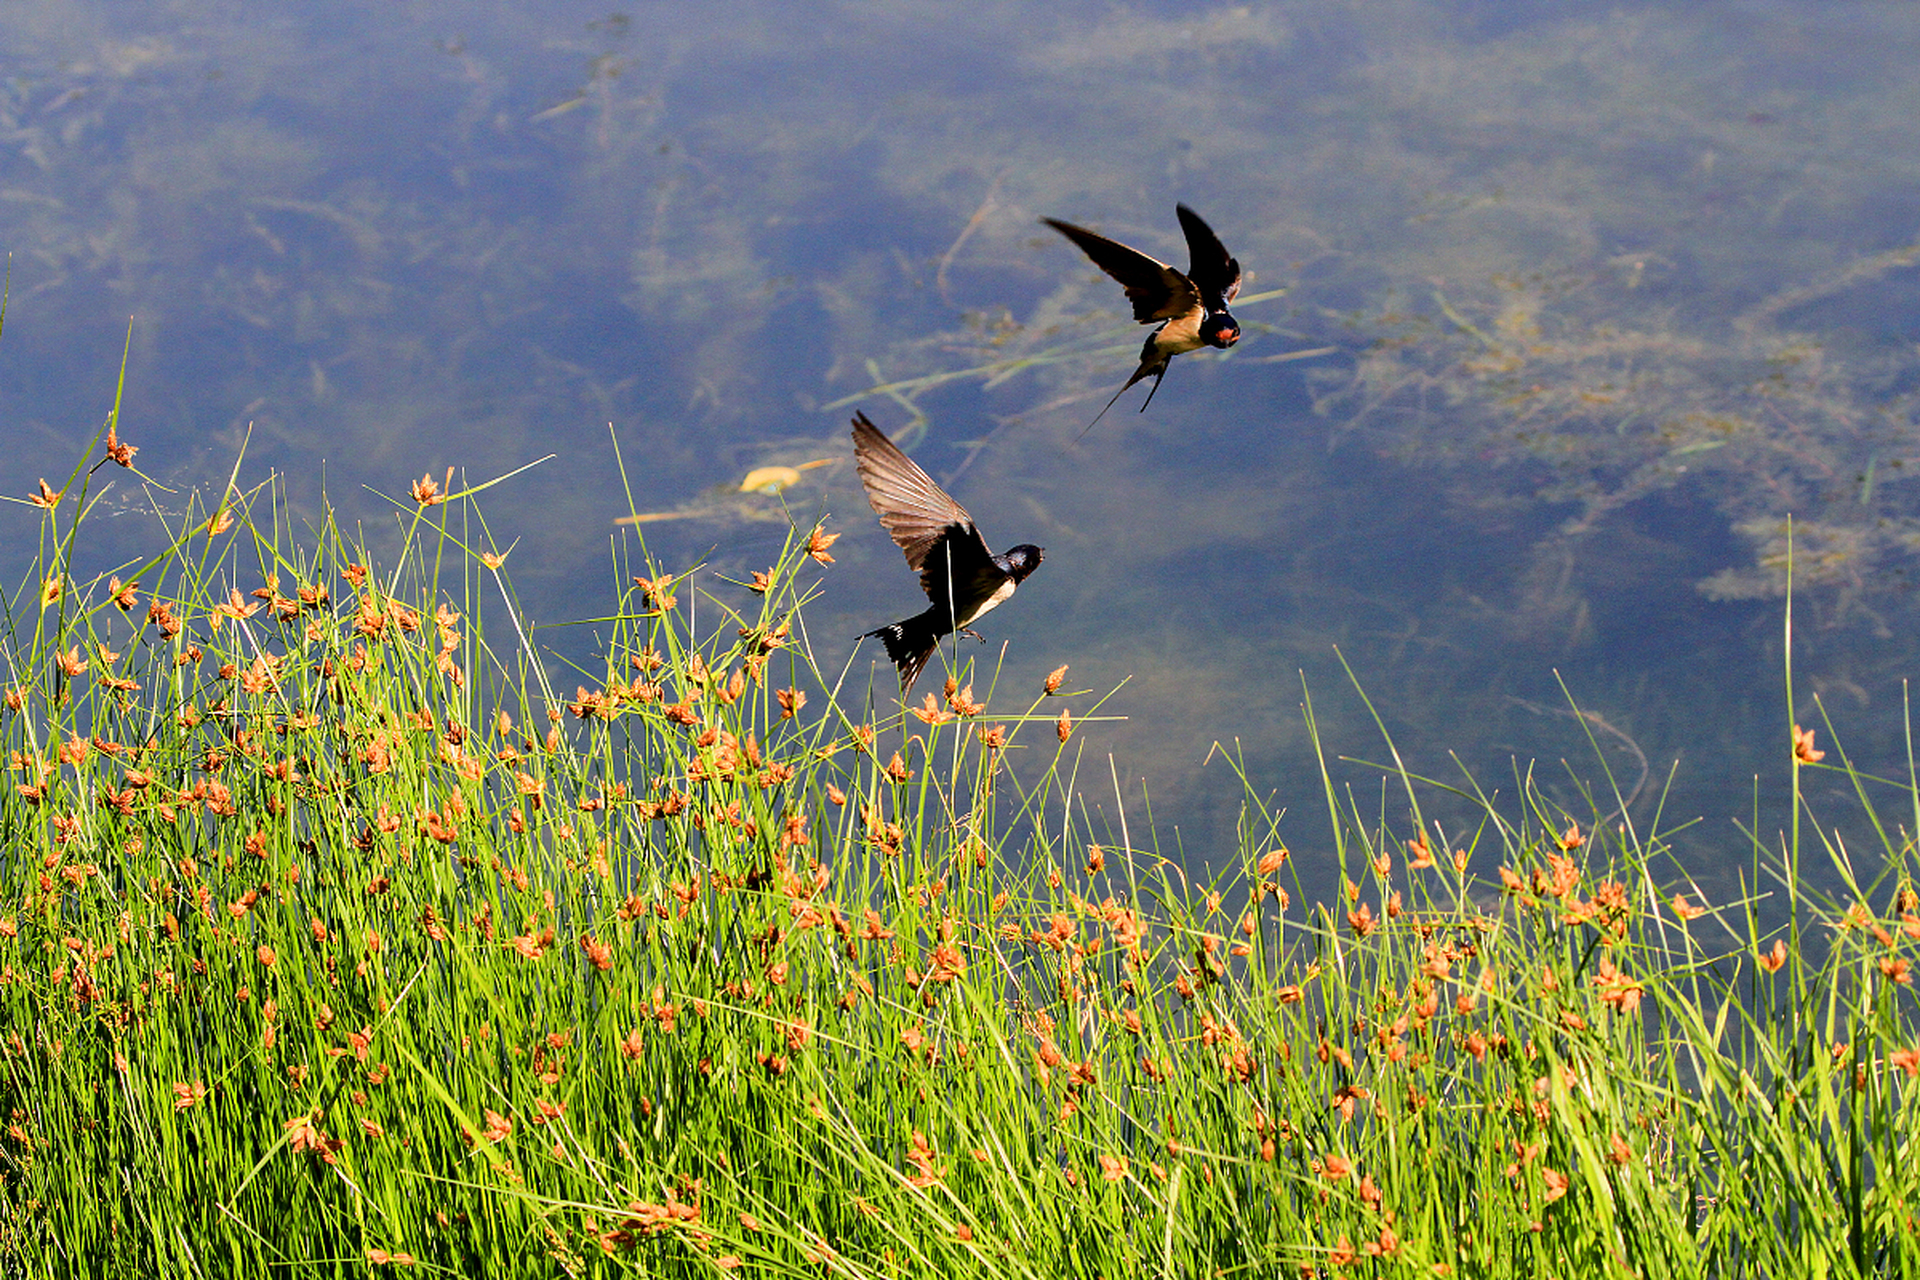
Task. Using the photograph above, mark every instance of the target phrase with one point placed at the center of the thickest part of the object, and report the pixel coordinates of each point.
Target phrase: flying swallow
(959, 574)
(1192, 308)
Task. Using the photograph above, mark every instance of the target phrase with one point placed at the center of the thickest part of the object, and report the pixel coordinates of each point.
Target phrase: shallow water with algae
(1554, 322)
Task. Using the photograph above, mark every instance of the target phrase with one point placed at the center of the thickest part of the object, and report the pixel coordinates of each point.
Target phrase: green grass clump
(335, 939)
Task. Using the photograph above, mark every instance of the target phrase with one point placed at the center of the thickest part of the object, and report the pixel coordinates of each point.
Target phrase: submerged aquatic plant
(1567, 390)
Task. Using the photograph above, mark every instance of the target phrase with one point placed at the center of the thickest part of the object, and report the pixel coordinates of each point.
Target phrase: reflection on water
(1593, 300)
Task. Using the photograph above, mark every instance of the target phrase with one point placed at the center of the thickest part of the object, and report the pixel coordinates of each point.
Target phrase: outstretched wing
(1157, 291)
(1215, 272)
(934, 531)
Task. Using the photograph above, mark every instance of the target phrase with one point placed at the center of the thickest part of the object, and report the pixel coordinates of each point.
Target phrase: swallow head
(1219, 330)
(1020, 561)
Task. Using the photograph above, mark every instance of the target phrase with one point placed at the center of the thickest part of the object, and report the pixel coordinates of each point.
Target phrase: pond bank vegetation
(339, 937)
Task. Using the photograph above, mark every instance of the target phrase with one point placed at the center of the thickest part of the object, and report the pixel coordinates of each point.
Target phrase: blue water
(1598, 296)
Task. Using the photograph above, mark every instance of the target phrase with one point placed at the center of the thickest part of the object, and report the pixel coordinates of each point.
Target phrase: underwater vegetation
(1553, 388)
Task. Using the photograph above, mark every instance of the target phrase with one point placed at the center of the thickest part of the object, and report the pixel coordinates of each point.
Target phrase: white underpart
(1181, 334)
(991, 602)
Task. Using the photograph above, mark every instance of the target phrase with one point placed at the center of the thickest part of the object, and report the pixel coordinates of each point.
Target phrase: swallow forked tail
(910, 645)
(1116, 399)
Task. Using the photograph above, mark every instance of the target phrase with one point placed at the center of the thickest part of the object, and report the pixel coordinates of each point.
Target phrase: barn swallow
(1192, 308)
(957, 571)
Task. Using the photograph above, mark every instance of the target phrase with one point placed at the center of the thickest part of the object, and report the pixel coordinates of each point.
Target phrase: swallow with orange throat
(961, 576)
(1191, 309)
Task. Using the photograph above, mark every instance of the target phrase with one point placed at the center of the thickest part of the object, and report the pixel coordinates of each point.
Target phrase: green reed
(339, 934)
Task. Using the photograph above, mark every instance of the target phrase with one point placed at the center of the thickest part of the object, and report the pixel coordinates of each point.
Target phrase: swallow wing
(1215, 273)
(1157, 291)
(914, 510)
(934, 531)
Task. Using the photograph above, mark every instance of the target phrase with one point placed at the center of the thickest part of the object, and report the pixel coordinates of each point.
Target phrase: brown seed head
(817, 543)
(1803, 748)
(120, 453)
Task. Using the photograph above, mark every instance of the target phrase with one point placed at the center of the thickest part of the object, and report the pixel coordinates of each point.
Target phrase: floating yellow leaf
(769, 479)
